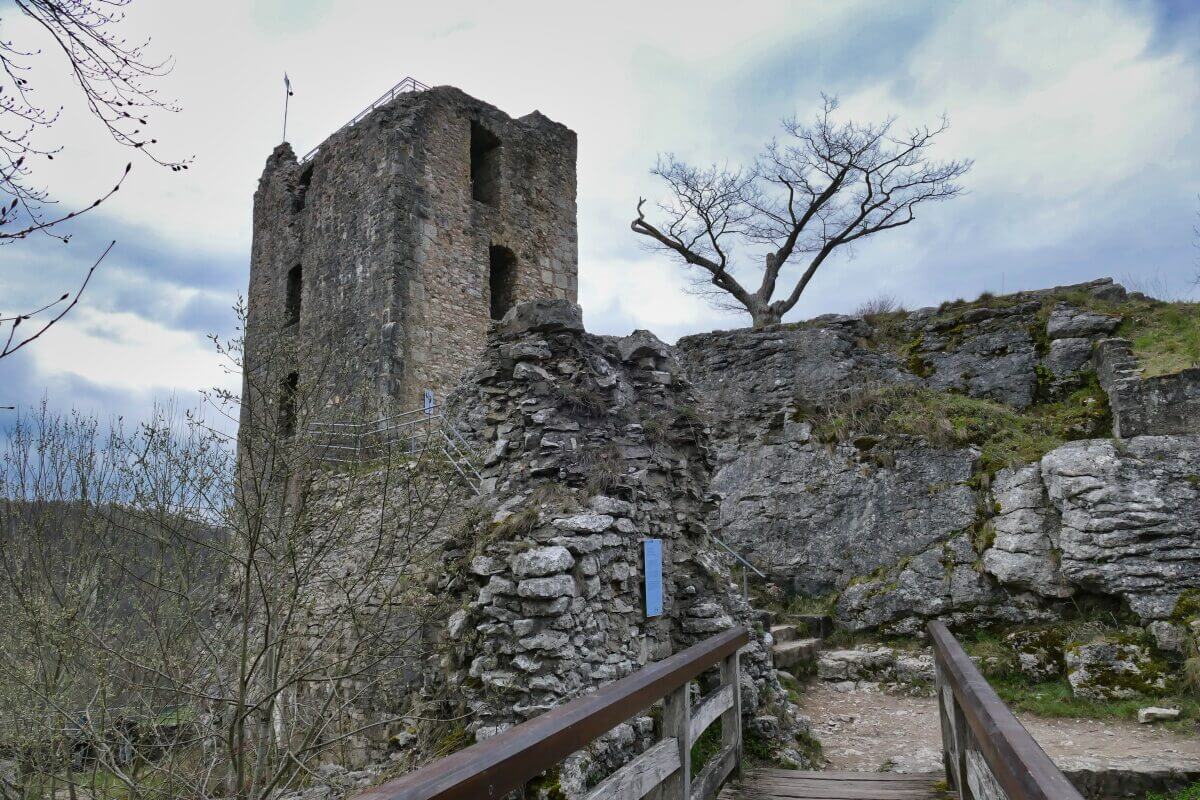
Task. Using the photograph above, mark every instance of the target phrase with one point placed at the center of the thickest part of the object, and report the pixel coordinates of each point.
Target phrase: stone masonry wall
(394, 250)
(1163, 404)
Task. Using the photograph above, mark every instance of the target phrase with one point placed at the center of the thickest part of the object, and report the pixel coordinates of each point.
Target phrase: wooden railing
(506, 762)
(988, 754)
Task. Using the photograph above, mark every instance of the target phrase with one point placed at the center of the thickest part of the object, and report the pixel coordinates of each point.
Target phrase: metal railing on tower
(409, 84)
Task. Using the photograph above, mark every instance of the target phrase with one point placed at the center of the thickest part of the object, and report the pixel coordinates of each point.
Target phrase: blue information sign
(652, 549)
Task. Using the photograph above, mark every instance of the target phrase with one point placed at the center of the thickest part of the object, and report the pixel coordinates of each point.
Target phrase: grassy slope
(1165, 335)
(1055, 699)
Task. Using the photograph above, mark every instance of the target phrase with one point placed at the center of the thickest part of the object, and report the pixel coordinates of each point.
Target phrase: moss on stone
(1187, 607)
(547, 786)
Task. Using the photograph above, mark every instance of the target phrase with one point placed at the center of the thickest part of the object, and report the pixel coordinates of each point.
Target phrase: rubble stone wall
(594, 445)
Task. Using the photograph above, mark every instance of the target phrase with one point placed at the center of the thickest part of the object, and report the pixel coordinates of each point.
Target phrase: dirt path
(872, 731)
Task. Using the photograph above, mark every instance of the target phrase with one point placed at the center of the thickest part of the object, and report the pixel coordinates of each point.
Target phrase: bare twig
(15, 322)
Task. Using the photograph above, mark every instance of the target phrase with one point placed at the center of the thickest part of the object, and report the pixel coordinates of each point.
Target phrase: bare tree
(40, 320)
(178, 624)
(826, 186)
(115, 79)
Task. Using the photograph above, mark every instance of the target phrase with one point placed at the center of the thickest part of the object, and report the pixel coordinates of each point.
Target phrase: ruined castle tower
(403, 235)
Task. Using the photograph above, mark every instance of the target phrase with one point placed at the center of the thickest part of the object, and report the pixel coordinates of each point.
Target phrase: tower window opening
(502, 280)
(485, 165)
(301, 195)
(295, 292)
(288, 389)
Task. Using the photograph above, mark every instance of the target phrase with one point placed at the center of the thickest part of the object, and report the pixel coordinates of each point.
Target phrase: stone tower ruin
(399, 238)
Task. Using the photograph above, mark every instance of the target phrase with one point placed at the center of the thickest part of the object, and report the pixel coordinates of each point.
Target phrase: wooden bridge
(987, 753)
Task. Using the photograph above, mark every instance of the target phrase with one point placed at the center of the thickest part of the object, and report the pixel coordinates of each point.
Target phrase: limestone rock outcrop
(1130, 517)
(900, 527)
(1113, 670)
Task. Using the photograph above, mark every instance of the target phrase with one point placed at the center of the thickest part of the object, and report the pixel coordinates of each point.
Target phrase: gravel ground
(868, 730)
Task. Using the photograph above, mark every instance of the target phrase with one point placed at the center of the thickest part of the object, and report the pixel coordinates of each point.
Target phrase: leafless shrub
(878, 306)
(179, 622)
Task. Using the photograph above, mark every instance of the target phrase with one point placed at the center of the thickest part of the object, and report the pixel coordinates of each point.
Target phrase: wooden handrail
(985, 747)
(506, 762)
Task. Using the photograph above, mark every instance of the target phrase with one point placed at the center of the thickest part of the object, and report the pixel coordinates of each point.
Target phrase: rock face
(1039, 652)
(984, 352)
(593, 447)
(801, 510)
(901, 529)
(881, 665)
(1130, 512)
(1024, 552)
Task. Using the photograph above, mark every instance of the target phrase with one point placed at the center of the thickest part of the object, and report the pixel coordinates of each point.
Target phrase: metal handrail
(408, 84)
(507, 761)
(733, 553)
(352, 442)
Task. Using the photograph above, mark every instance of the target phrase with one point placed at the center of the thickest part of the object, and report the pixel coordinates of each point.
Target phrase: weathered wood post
(954, 733)
(731, 720)
(677, 723)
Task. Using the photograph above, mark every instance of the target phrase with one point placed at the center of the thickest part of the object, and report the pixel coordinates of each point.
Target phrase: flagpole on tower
(287, 85)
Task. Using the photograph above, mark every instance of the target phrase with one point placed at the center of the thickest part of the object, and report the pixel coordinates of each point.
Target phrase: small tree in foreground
(178, 622)
(827, 185)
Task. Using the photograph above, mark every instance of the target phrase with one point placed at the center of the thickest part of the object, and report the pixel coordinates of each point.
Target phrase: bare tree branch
(14, 322)
(115, 80)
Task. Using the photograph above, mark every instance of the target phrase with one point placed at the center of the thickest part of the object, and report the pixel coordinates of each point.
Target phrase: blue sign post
(652, 551)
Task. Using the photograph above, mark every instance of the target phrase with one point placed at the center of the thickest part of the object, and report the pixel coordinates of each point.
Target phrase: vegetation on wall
(1004, 435)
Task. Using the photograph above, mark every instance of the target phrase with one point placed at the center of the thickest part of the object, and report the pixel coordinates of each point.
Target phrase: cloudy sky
(1081, 118)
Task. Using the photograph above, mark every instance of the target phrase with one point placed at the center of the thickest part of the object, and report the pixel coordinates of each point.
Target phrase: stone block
(542, 316)
(542, 561)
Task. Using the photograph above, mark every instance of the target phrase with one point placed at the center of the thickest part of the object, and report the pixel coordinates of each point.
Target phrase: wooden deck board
(782, 784)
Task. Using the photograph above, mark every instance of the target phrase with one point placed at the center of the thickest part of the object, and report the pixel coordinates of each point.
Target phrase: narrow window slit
(502, 280)
(485, 165)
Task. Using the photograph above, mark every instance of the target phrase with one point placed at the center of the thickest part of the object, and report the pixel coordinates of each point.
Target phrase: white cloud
(125, 351)
(1060, 105)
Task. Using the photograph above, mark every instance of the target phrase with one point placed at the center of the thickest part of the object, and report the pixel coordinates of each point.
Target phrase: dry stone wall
(594, 445)
(1164, 404)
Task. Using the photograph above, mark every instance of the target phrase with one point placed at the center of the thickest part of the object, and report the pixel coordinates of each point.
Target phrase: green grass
(1005, 436)
(1186, 793)
(1055, 699)
(1166, 337)
(707, 745)
(999, 664)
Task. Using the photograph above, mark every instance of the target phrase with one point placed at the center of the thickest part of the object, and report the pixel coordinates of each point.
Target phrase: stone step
(784, 633)
(796, 652)
(818, 625)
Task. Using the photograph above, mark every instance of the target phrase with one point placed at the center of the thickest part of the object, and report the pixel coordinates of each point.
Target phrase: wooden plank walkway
(786, 784)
